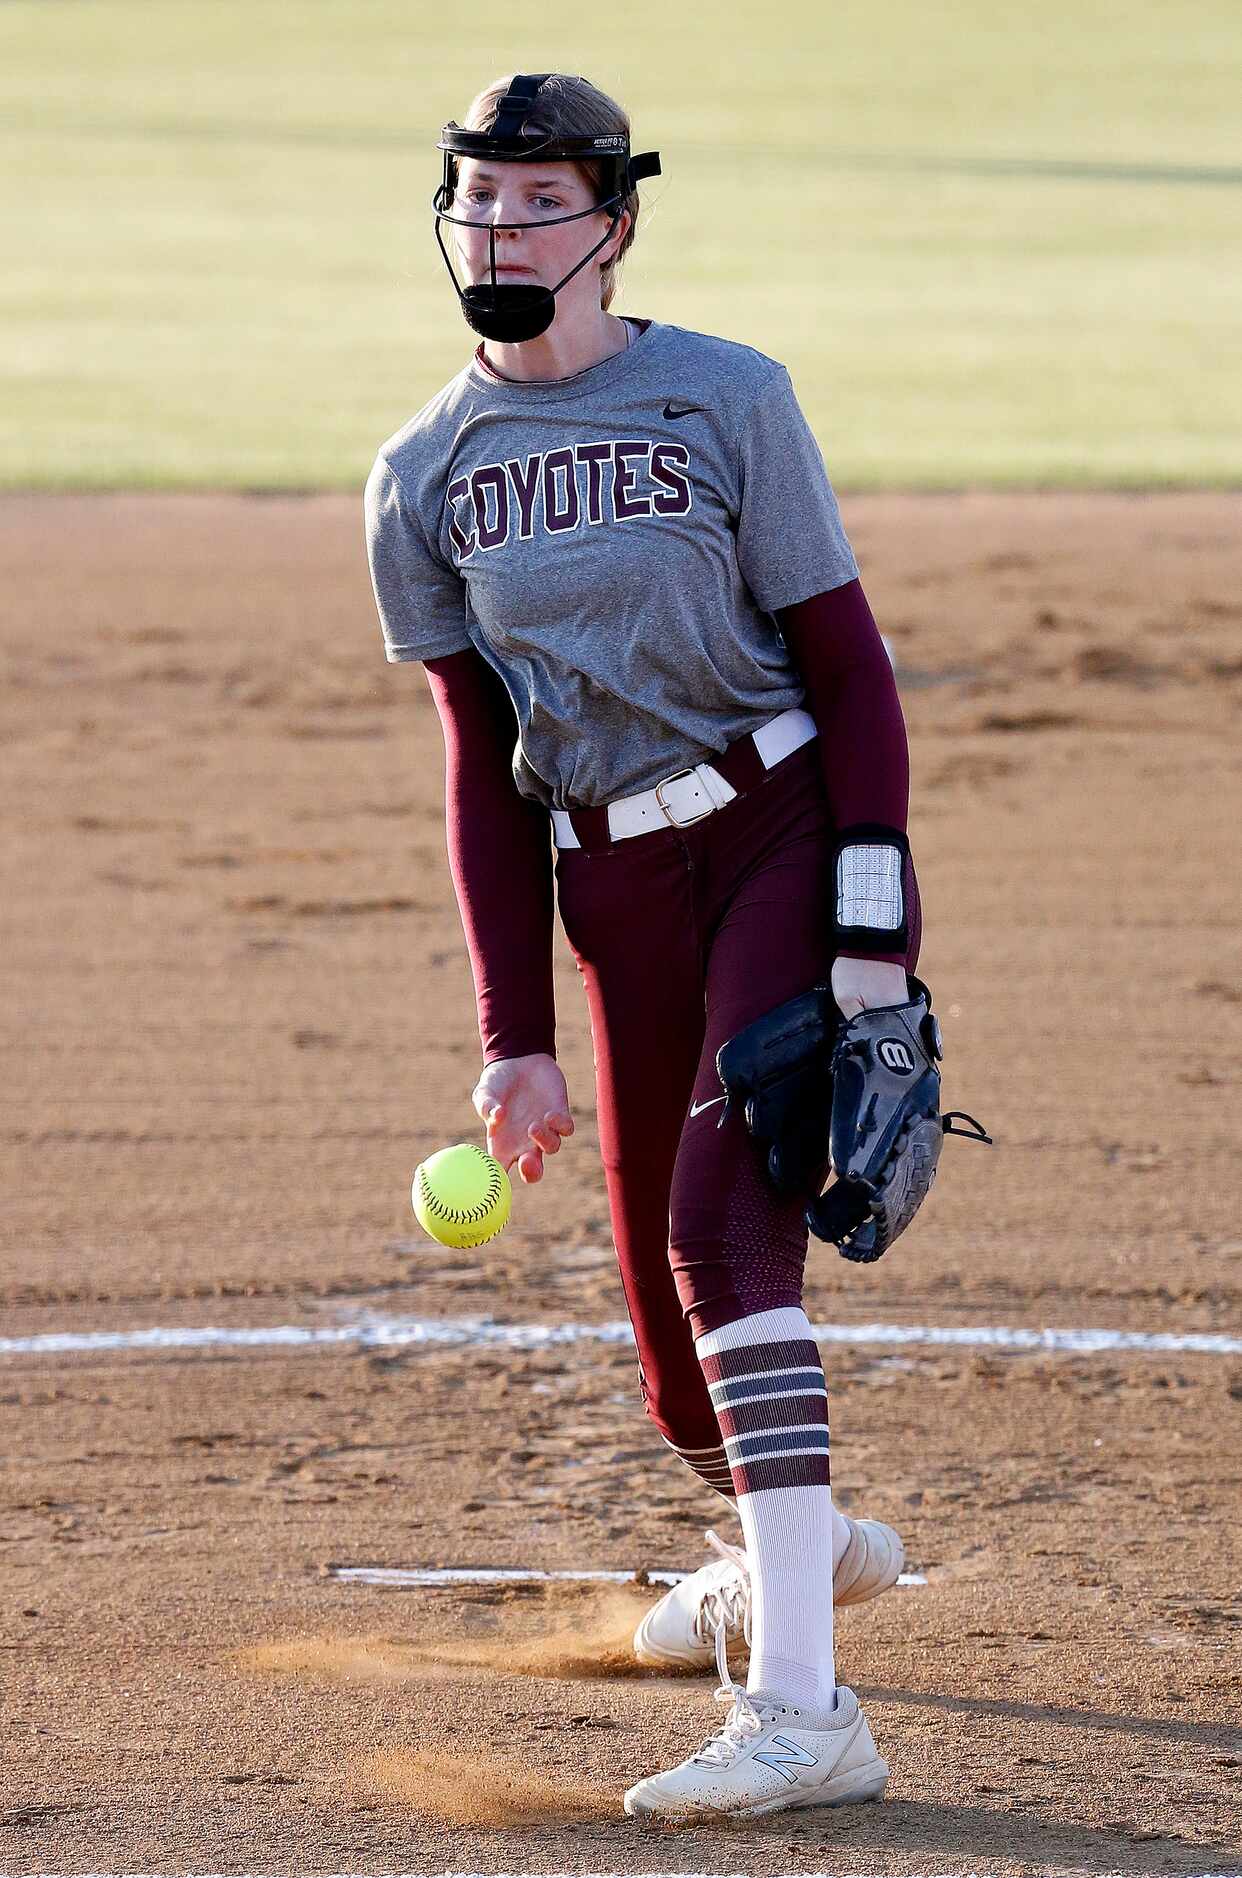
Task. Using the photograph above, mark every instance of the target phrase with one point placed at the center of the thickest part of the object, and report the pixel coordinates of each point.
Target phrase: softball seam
(461, 1216)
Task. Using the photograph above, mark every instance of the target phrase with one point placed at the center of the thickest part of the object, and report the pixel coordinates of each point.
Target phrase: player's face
(537, 193)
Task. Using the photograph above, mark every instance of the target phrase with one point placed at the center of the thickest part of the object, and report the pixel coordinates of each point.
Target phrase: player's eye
(546, 202)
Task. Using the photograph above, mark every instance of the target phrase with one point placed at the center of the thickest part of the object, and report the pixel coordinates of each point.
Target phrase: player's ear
(620, 233)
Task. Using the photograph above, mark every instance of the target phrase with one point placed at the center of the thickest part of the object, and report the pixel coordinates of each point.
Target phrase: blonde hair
(570, 107)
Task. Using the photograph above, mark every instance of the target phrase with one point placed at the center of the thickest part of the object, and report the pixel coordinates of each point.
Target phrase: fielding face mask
(511, 312)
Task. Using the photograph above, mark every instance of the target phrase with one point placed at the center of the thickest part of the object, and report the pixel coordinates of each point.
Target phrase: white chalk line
(485, 1575)
(387, 1333)
(423, 1575)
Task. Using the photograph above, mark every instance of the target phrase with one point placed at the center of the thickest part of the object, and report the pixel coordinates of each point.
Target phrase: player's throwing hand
(525, 1103)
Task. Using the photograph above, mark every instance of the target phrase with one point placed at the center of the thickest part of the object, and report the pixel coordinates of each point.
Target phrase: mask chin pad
(509, 314)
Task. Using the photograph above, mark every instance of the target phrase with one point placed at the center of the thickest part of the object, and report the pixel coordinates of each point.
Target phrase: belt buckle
(668, 813)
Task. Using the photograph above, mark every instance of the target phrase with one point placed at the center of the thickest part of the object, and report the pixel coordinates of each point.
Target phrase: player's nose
(503, 211)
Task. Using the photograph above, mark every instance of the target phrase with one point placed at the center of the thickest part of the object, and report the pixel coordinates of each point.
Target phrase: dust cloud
(593, 1640)
(458, 1791)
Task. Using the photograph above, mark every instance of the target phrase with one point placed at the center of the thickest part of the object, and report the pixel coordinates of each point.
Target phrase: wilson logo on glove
(895, 1055)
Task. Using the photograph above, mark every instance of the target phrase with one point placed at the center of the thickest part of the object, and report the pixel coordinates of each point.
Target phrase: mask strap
(514, 108)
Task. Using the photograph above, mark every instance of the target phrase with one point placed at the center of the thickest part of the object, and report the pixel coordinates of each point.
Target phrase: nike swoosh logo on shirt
(696, 1108)
(685, 410)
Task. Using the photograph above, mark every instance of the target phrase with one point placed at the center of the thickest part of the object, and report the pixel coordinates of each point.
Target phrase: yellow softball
(461, 1195)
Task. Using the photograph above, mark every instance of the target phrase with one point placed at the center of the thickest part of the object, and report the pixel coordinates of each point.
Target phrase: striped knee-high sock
(767, 1384)
(710, 1464)
(713, 1469)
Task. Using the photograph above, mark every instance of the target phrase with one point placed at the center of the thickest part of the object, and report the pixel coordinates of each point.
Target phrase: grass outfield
(994, 245)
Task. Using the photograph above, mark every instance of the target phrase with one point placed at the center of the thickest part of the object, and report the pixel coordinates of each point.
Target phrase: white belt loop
(689, 795)
(783, 735)
(563, 830)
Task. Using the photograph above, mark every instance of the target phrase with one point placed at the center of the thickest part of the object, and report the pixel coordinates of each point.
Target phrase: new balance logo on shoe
(696, 1108)
(781, 1755)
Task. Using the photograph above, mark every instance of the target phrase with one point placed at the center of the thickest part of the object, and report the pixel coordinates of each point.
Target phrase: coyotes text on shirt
(578, 484)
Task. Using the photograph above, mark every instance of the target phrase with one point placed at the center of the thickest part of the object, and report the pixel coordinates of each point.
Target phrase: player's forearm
(851, 693)
(502, 877)
(500, 858)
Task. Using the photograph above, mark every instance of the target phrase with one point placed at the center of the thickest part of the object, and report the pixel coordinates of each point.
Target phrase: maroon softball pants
(682, 936)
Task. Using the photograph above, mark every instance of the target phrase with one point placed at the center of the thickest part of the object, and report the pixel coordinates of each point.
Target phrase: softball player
(615, 548)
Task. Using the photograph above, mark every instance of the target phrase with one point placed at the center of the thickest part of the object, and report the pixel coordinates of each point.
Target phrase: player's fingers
(500, 1145)
(530, 1166)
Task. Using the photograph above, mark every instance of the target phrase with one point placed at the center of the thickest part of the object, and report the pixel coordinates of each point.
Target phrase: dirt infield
(238, 1011)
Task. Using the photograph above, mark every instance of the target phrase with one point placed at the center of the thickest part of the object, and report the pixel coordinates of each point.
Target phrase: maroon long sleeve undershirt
(500, 858)
(851, 693)
(499, 842)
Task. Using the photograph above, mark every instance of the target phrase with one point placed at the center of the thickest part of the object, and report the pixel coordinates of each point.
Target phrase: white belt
(692, 793)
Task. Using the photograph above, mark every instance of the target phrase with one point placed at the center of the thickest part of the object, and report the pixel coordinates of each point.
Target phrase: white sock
(767, 1384)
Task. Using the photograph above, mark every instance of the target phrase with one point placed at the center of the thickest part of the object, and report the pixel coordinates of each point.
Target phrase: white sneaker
(678, 1630)
(871, 1562)
(767, 1757)
(681, 1628)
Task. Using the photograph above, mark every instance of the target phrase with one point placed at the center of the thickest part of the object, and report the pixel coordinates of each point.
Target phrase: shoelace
(727, 1602)
(744, 1721)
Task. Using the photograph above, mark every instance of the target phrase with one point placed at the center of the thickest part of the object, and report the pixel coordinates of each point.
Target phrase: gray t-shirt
(614, 544)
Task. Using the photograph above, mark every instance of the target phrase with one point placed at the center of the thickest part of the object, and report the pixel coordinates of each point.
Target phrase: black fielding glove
(886, 1130)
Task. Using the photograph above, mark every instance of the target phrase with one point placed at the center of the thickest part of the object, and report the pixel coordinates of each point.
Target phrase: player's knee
(681, 1411)
(757, 1263)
